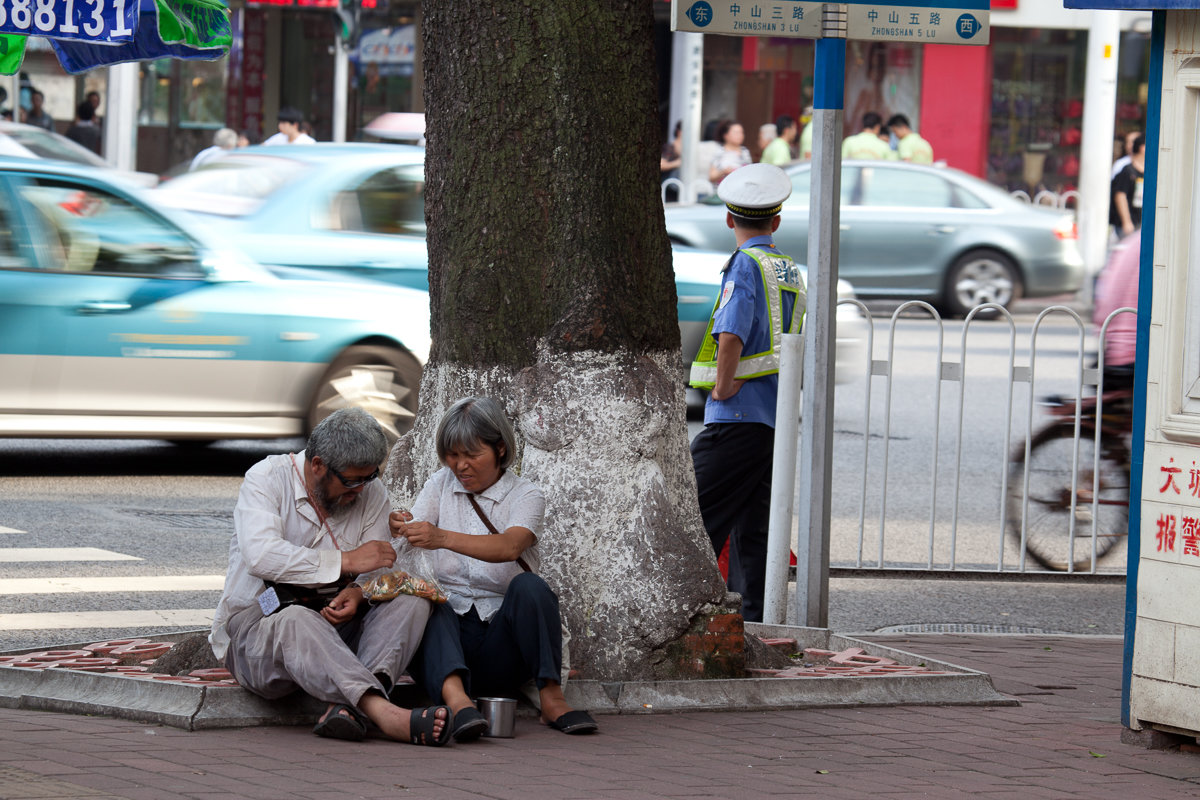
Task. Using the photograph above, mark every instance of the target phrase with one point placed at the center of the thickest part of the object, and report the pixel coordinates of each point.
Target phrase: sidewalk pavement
(1064, 740)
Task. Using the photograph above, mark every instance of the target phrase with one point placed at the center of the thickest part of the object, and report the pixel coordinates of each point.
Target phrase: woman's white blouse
(511, 502)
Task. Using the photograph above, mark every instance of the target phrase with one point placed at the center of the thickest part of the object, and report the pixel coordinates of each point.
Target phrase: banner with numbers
(86, 34)
(93, 20)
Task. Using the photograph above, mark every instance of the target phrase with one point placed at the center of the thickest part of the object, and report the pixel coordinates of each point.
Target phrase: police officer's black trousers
(733, 478)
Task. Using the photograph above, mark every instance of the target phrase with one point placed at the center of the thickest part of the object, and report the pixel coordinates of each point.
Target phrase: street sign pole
(830, 24)
(814, 488)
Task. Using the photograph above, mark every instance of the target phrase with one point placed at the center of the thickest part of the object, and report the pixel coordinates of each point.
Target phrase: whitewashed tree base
(605, 437)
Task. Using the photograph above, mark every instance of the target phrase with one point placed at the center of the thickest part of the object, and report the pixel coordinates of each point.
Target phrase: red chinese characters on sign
(1169, 482)
(254, 64)
(1164, 539)
(1189, 534)
(1188, 530)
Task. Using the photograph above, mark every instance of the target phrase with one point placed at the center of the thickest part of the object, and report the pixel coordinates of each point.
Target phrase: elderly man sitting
(292, 616)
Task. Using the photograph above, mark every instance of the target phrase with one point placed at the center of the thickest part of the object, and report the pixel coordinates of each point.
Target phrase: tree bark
(552, 290)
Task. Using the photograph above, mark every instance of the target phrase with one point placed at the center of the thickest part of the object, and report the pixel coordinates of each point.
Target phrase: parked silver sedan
(915, 232)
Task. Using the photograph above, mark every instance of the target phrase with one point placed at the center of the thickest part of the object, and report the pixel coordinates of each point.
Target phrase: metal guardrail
(1067, 199)
(955, 372)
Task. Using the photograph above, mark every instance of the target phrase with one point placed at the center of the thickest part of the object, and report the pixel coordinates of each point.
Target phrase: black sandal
(341, 722)
(421, 723)
(469, 725)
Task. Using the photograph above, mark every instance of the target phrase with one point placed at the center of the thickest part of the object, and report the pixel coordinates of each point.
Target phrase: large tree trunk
(552, 290)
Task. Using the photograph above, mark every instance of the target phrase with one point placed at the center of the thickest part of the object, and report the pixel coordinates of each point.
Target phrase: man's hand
(369, 556)
(344, 606)
(397, 521)
(729, 352)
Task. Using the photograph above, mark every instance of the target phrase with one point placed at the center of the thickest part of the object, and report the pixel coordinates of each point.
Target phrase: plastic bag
(412, 573)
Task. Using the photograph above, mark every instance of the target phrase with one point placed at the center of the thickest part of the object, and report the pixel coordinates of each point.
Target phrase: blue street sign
(922, 21)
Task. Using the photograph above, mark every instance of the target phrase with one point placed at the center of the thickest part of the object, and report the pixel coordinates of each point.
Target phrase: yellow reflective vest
(779, 276)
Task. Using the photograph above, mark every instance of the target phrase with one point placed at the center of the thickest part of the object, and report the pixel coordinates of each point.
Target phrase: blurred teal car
(118, 319)
(358, 209)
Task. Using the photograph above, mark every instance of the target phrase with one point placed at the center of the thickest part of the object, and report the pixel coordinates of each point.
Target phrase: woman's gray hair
(348, 438)
(477, 419)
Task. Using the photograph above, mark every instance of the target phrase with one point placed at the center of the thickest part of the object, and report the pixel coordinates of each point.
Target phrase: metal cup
(501, 714)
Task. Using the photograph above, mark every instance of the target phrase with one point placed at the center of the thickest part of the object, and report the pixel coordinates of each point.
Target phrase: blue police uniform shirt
(746, 315)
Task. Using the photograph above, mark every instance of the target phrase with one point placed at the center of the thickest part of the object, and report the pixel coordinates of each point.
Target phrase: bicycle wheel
(1047, 517)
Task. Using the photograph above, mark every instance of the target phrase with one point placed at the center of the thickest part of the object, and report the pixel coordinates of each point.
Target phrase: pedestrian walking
(910, 145)
(866, 144)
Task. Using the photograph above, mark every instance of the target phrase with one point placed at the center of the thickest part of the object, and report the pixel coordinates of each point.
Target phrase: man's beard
(332, 507)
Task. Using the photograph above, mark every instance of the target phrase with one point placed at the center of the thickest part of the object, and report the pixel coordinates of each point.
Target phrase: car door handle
(101, 307)
(942, 229)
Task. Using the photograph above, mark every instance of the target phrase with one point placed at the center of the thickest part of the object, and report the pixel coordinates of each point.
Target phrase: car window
(84, 229)
(882, 186)
(802, 185)
(389, 201)
(231, 186)
(964, 198)
(10, 253)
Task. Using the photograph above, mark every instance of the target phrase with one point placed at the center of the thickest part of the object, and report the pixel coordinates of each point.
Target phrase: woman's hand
(421, 534)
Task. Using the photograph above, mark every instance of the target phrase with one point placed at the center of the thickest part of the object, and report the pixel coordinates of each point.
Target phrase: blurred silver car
(358, 209)
(915, 232)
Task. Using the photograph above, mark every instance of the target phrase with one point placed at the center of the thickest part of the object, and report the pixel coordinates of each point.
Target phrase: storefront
(1010, 112)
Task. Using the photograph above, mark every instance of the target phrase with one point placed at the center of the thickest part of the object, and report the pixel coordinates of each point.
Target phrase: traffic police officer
(762, 297)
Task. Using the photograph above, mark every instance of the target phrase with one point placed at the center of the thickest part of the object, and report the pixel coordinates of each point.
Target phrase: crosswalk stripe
(68, 620)
(15, 554)
(9, 530)
(128, 584)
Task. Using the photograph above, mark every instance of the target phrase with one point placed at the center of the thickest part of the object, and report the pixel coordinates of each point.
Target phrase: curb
(191, 707)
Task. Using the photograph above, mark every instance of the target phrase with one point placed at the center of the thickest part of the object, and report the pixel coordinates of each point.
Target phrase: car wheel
(980, 276)
(384, 381)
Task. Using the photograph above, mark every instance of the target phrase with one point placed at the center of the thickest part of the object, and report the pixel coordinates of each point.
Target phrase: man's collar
(762, 240)
(299, 488)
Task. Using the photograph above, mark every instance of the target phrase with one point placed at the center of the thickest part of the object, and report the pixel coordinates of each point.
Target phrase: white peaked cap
(755, 191)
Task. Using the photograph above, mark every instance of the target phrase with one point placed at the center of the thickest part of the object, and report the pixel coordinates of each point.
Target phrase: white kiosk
(1161, 686)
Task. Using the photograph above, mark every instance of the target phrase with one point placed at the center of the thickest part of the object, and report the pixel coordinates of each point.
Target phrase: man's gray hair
(474, 420)
(349, 438)
(226, 138)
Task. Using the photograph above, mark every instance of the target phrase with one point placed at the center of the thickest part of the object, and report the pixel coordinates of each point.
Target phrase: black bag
(314, 597)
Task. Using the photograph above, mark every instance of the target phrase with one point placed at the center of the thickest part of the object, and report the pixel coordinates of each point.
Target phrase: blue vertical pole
(1158, 35)
(816, 429)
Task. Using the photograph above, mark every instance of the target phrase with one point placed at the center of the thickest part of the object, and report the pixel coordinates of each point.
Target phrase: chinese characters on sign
(965, 22)
(948, 22)
(1178, 531)
(748, 17)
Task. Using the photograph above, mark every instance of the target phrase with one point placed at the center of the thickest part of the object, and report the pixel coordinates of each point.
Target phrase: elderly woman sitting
(501, 625)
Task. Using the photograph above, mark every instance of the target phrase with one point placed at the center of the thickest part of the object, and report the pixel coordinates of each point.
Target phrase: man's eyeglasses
(349, 484)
